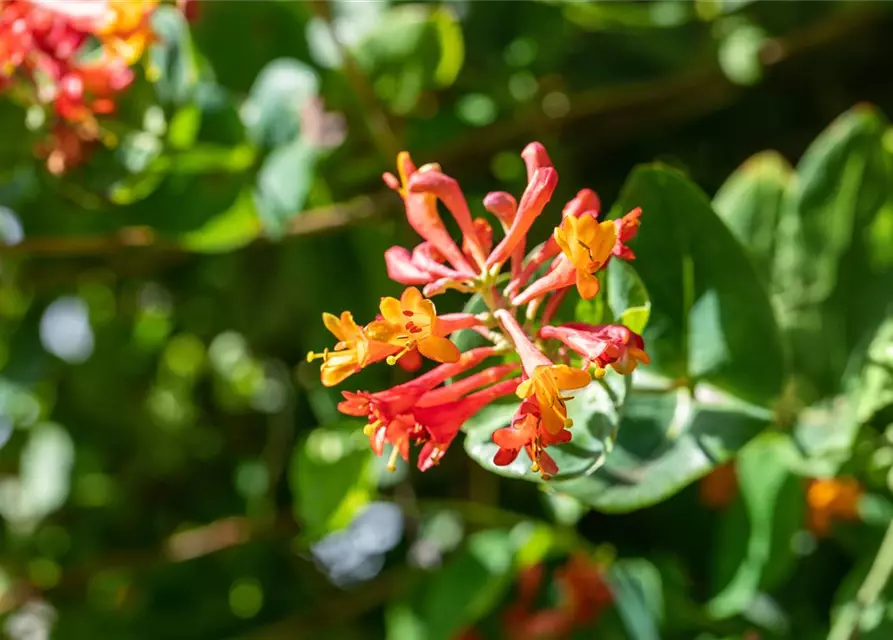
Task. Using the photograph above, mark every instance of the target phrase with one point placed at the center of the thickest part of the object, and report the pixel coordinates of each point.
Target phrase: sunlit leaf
(709, 311)
(330, 478)
(750, 201)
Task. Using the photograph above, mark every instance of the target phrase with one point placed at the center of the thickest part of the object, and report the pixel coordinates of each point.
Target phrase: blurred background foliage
(171, 467)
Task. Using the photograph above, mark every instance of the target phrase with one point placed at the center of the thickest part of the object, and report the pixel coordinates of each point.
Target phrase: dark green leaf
(172, 61)
(283, 183)
(665, 442)
(272, 112)
(638, 593)
(711, 319)
(773, 512)
(749, 202)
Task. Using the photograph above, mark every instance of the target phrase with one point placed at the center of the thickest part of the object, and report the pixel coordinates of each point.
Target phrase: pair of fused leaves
(710, 334)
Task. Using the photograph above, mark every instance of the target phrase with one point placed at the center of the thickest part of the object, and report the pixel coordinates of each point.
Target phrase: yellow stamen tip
(599, 373)
(391, 360)
(568, 423)
(392, 461)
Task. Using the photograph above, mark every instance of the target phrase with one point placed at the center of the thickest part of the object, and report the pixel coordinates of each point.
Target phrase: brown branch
(618, 110)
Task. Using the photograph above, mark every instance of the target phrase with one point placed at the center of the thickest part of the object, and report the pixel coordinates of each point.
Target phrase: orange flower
(587, 244)
(831, 499)
(411, 322)
(718, 488)
(353, 351)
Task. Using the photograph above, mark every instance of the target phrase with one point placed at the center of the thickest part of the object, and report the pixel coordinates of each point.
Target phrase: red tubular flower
(403, 269)
(526, 432)
(504, 206)
(439, 185)
(441, 423)
(544, 380)
(585, 202)
(422, 215)
(601, 345)
(535, 157)
(627, 228)
(459, 388)
(537, 194)
(381, 407)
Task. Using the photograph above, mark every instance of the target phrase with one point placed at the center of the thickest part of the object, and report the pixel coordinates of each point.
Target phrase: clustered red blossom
(429, 411)
(583, 594)
(44, 61)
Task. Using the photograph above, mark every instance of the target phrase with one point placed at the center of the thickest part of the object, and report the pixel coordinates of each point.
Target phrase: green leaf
(830, 291)
(330, 478)
(233, 228)
(638, 593)
(172, 62)
(272, 111)
(710, 320)
(840, 185)
(666, 441)
(627, 295)
(412, 48)
(466, 589)
(773, 501)
(749, 202)
(595, 411)
(283, 183)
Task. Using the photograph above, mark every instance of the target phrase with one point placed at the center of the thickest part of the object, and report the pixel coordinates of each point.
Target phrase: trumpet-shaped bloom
(422, 215)
(587, 244)
(537, 194)
(544, 380)
(383, 406)
(446, 189)
(353, 351)
(526, 432)
(441, 423)
(627, 228)
(411, 322)
(586, 202)
(601, 345)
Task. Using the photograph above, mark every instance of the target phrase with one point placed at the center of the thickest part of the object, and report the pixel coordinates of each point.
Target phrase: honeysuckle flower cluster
(522, 292)
(74, 58)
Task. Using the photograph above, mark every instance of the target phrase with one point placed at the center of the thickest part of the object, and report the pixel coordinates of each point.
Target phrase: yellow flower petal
(411, 298)
(525, 389)
(587, 284)
(439, 349)
(392, 310)
(569, 377)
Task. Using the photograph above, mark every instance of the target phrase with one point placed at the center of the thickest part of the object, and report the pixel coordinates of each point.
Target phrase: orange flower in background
(718, 488)
(830, 500)
(583, 595)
